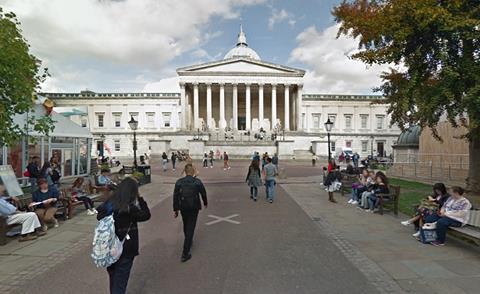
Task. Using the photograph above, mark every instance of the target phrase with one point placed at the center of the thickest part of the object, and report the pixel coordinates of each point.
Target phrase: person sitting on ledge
(429, 206)
(79, 193)
(454, 213)
(44, 202)
(12, 215)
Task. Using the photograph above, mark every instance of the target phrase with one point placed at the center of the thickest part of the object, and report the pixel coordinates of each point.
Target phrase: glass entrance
(64, 158)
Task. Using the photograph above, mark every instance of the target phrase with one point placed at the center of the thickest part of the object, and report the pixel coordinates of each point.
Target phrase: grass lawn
(410, 193)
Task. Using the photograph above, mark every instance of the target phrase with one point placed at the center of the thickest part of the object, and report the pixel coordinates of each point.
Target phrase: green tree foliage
(20, 77)
(433, 47)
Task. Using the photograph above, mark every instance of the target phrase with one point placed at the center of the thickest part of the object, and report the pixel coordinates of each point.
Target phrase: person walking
(174, 160)
(186, 199)
(254, 179)
(225, 161)
(275, 160)
(128, 208)
(164, 161)
(211, 157)
(33, 172)
(270, 173)
(205, 160)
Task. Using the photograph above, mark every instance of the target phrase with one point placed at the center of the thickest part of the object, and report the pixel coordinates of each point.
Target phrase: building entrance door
(380, 149)
(64, 157)
(242, 123)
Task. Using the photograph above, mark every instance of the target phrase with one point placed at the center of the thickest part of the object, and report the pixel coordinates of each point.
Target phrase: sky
(136, 45)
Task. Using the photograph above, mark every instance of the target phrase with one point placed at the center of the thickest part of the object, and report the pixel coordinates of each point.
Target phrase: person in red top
(331, 165)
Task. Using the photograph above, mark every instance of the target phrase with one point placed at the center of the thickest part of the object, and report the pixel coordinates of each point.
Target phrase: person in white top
(454, 213)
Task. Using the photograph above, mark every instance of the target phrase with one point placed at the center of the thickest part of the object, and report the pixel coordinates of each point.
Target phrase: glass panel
(67, 163)
(14, 158)
(83, 155)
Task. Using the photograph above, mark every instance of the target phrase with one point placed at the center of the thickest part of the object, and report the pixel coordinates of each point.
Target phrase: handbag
(428, 235)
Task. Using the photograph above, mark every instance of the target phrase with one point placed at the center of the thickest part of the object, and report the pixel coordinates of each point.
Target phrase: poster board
(7, 176)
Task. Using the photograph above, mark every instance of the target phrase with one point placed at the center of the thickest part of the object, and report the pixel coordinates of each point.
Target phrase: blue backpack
(107, 247)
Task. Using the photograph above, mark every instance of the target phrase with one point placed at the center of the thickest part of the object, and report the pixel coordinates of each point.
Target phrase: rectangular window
(348, 144)
(100, 117)
(117, 118)
(316, 121)
(348, 121)
(363, 120)
(166, 119)
(83, 122)
(151, 119)
(117, 145)
(332, 146)
(364, 146)
(380, 122)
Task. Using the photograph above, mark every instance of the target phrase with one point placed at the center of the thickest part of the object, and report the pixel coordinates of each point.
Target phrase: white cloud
(167, 85)
(331, 70)
(278, 16)
(138, 33)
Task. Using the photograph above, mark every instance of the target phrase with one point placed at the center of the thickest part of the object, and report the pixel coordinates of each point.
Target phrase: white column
(235, 107)
(286, 123)
(222, 121)
(274, 106)
(260, 105)
(209, 106)
(183, 107)
(247, 107)
(299, 107)
(196, 118)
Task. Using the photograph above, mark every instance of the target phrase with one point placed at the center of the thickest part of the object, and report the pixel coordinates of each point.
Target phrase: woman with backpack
(128, 208)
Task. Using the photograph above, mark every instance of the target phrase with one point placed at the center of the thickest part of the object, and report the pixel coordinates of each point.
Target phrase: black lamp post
(328, 128)
(134, 125)
(371, 146)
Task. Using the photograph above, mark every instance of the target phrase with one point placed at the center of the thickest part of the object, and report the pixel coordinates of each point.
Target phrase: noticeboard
(9, 180)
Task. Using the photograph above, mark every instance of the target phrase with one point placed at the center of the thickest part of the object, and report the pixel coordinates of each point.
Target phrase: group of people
(50, 171)
(270, 172)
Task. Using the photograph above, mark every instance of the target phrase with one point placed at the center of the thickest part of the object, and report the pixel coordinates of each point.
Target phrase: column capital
(182, 84)
(274, 86)
(261, 84)
(286, 85)
(234, 85)
(209, 85)
(195, 84)
(248, 84)
(221, 84)
(300, 86)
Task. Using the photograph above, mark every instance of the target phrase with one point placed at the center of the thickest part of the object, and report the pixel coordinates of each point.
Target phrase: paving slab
(42, 248)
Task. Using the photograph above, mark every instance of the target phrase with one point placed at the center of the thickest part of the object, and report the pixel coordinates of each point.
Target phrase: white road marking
(219, 219)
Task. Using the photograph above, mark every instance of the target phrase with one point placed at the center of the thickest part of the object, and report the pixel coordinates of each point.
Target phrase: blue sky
(136, 45)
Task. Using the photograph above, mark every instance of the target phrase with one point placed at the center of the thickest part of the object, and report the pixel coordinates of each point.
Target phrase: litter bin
(147, 173)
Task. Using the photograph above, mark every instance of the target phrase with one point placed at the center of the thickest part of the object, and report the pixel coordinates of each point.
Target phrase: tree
(433, 47)
(20, 78)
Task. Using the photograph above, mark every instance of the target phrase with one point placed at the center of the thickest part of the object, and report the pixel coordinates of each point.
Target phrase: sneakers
(436, 243)
(350, 201)
(41, 233)
(27, 238)
(90, 212)
(94, 210)
(354, 202)
(186, 257)
(270, 201)
(406, 223)
(416, 235)
(44, 228)
(55, 223)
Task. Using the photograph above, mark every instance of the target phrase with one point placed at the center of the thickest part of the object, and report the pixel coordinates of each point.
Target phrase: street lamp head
(328, 125)
(102, 136)
(133, 124)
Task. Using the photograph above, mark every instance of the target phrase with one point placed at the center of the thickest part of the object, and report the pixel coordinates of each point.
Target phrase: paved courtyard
(300, 244)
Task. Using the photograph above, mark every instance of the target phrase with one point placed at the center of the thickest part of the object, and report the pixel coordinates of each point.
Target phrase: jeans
(443, 223)
(363, 201)
(119, 273)
(270, 189)
(173, 164)
(372, 201)
(254, 192)
(164, 163)
(189, 218)
(86, 201)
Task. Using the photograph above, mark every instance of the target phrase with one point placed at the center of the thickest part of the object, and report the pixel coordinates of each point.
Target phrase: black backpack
(55, 176)
(189, 198)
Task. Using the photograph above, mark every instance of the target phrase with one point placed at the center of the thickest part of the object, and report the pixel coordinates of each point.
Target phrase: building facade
(226, 105)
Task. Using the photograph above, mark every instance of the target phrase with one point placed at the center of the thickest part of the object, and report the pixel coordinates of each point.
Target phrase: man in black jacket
(186, 199)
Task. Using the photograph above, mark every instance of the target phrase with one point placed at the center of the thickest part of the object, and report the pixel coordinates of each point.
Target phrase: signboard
(9, 180)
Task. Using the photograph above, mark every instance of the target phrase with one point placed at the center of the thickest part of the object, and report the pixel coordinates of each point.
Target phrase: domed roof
(242, 49)
(410, 137)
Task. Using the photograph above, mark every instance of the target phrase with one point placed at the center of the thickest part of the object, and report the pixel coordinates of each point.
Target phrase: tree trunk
(473, 180)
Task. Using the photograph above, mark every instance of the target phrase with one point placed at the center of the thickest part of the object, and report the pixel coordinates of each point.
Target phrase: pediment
(239, 66)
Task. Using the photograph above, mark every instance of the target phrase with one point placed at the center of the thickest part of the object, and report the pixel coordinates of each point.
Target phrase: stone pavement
(385, 251)
(21, 262)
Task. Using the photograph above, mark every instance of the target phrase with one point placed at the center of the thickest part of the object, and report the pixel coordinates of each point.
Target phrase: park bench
(391, 198)
(72, 203)
(347, 181)
(471, 231)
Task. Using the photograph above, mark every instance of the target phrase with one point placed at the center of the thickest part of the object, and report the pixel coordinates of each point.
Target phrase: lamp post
(134, 125)
(371, 146)
(328, 128)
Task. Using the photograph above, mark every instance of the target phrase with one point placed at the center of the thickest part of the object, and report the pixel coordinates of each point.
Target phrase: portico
(240, 92)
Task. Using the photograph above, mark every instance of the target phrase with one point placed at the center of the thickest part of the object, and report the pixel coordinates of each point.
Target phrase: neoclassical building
(223, 104)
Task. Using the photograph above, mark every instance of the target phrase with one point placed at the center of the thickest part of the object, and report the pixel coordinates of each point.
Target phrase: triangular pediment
(240, 66)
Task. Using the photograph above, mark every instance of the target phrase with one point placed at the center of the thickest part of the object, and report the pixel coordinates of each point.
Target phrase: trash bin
(147, 173)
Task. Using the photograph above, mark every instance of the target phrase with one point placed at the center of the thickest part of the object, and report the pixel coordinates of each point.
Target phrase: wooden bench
(347, 181)
(471, 231)
(391, 198)
(96, 195)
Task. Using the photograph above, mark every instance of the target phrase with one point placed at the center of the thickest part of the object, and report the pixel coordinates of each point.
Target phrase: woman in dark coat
(128, 208)
(254, 179)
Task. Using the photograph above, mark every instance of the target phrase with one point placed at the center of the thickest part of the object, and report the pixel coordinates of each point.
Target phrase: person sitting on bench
(79, 193)
(45, 204)
(104, 178)
(12, 215)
